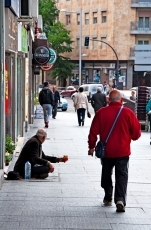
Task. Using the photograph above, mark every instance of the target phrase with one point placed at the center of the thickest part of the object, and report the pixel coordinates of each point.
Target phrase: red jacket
(126, 129)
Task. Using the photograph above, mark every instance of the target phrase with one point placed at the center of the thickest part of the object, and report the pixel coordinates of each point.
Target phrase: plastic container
(27, 170)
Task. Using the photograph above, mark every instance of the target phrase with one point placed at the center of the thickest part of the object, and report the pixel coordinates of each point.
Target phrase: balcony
(140, 3)
(140, 28)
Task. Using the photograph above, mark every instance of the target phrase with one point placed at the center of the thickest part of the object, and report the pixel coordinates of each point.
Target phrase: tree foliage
(59, 38)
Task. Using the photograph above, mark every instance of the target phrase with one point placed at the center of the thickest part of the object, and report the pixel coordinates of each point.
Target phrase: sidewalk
(71, 198)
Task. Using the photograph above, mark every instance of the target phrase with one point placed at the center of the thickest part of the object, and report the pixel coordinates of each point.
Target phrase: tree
(59, 38)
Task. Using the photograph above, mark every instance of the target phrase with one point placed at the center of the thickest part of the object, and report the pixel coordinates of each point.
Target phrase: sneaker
(120, 206)
(107, 202)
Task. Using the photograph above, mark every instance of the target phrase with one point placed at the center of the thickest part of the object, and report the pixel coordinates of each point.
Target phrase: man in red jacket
(117, 149)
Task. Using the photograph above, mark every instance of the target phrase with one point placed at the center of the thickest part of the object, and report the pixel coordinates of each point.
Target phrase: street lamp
(80, 42)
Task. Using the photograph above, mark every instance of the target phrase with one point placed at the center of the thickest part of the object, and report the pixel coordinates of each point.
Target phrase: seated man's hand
(63, 159)
(51, 168)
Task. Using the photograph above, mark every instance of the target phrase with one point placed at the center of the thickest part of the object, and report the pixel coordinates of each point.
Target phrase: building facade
(124, 25)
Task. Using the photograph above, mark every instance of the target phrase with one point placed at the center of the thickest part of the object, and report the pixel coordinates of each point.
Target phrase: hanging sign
(41, 55)
(53, 57)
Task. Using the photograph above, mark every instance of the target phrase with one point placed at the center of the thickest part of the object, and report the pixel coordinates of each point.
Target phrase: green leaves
(58, 37)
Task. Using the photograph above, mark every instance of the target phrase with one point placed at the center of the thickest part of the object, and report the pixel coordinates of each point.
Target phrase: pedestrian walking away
(98, 100)
(46, 101)
(41, 164)
(81, 105)
(148, 110)
(56, 97)
(117, 148)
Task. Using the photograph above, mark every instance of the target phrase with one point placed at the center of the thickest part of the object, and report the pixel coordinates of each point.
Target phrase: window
(94, 18)
(67, 19)
(103, 16)
(143, 23)
(86, 19)
(67, 45)
(78, 19)
(103, 45)
(78, 43)
(95, 43)
(141, 42)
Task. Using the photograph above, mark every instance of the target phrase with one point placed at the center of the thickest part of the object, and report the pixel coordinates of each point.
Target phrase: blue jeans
(81, 115)
(47, 109)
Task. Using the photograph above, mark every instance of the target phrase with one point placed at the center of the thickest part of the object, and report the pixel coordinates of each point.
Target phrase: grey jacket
(98, 101)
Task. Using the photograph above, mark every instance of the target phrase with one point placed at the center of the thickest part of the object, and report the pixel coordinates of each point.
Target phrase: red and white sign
(47, 67)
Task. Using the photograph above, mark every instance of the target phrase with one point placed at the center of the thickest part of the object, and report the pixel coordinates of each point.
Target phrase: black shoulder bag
(100, 147)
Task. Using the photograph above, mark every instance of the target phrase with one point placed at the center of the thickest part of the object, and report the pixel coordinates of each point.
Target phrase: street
(71, 198)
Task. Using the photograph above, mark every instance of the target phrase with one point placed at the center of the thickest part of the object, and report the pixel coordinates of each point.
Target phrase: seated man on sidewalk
(32, 152)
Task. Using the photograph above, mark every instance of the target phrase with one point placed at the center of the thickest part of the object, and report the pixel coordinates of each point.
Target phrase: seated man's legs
(40, 172)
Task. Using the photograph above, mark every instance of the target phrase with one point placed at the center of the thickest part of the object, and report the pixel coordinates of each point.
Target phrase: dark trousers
(121, 178)
(54, 110)
(40, 171)
(36, 172)
(81, 115)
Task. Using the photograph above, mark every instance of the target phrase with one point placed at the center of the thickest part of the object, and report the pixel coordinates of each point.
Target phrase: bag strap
(114, 124)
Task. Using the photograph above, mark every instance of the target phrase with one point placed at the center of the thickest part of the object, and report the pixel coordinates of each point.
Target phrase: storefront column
(2, 89)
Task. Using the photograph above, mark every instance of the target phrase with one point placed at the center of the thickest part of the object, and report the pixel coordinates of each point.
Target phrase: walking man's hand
(90, 152)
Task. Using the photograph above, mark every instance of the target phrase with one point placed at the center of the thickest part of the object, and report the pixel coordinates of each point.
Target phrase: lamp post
(80, 40)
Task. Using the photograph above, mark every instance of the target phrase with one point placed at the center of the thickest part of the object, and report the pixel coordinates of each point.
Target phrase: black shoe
(120, 206)
(79, 124)
(82, 123)
(107, 202)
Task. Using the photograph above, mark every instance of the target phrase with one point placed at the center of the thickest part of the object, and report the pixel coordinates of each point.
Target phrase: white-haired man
(98, 100)
(32, 152)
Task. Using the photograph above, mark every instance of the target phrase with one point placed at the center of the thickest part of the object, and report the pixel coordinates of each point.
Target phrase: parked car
(68, 91)
(63, 104)
(89, 90)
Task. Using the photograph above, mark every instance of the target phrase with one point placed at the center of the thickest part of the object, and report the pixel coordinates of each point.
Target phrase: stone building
(125, 25)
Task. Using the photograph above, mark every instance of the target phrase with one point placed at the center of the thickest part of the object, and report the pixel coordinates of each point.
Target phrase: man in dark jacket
(56, 97)
(98, 100)
(46, 101)
(117, 148)
(32, 152)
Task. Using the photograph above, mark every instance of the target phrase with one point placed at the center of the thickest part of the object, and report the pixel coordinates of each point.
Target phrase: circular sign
(53, 56)
(47, 67)
(42, 55)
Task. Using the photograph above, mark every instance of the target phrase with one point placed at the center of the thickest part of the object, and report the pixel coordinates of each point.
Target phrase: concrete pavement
(71, 198)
